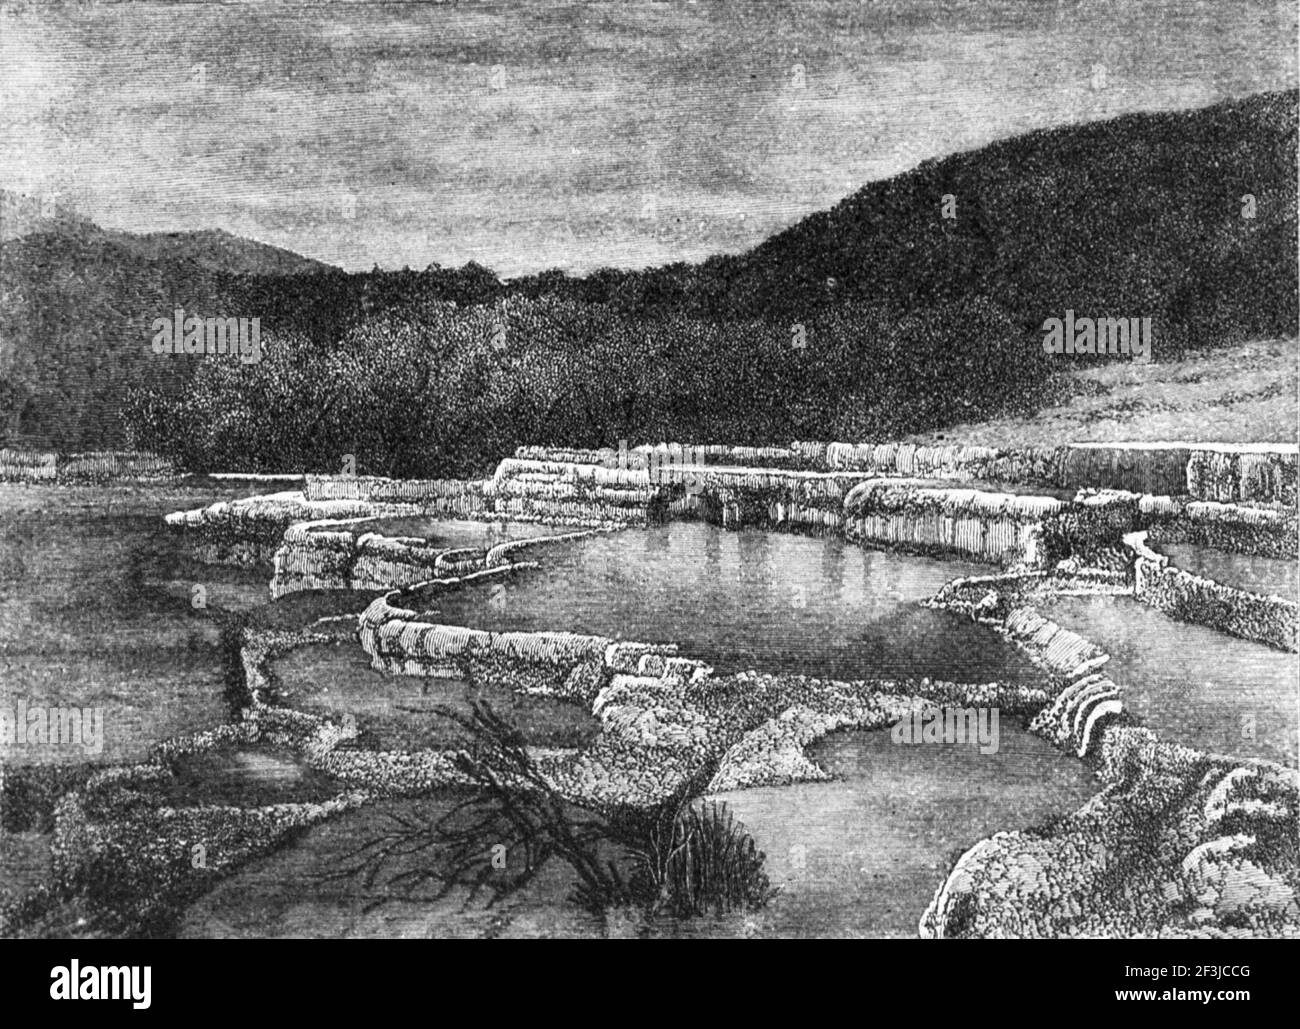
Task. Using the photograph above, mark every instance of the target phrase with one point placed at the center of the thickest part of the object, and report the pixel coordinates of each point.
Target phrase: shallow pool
(1266, 575)
(1191, 684)
(399, 712)
(98, 610)
(859, 857)
(313, 888)
(863, 856)
(749, 600)
(452, 533)
(247, 776)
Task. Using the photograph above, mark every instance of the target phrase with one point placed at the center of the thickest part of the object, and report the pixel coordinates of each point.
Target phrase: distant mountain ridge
(22, 216)
(222, 251)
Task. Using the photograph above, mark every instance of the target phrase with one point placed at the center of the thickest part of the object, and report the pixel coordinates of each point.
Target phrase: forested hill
(1188, 218)
(1140, 215)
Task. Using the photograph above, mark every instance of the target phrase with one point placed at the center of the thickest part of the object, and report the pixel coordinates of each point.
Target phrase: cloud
(529, 136)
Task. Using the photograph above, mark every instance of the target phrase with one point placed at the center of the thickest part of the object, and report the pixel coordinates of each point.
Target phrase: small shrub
(678, 857)
(714, 865)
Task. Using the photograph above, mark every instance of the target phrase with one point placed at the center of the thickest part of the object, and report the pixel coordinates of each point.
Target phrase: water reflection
(752, 599)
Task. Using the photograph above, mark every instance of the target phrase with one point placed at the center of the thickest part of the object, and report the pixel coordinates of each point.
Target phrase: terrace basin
(749, 599)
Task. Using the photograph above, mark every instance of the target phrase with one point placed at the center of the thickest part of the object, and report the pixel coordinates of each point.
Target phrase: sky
(528, 136)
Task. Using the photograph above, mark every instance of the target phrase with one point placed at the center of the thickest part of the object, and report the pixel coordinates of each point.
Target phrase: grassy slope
(1242, 393)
